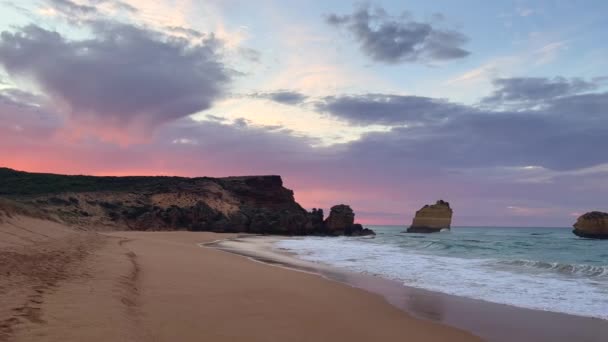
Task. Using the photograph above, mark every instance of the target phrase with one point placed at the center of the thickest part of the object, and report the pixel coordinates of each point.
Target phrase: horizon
(383, 106)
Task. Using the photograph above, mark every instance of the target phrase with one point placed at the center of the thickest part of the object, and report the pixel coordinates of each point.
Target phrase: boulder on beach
(432, 218)
(592, 225)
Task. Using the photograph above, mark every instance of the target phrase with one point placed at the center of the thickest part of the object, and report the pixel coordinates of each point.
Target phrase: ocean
(536, 268)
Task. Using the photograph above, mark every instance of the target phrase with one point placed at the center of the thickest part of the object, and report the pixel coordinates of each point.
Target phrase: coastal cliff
(249, 204)
(432, 218)
(592, 225)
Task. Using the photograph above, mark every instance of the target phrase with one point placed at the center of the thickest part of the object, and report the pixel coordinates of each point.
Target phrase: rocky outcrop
(316, 219)
(432, 218)
(251, 204)
(340, 217)
(592, 225)
(341, 221)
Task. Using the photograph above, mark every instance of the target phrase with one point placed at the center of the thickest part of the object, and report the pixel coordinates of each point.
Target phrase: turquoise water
(556, 246)
(538, 268)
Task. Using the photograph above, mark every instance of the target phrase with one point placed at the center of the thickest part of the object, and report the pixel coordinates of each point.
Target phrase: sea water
(537, 268)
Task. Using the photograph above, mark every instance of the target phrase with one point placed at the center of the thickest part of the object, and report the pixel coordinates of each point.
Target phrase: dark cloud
(582, 108)
(282, 96)
(534, 89)
(390, 39)
(384, 109)
(569, 133)
(124, 74)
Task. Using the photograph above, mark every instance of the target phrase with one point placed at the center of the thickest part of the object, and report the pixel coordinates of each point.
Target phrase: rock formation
(592, 225)
(316, 219)
(341, 221)
(251, 204)
(340, 217)
(432, 218)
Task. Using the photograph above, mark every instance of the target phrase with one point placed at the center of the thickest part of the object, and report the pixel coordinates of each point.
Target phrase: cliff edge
(249, 204)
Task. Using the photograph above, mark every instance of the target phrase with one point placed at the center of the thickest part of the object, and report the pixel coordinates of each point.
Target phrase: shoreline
(65, 284)
(491, 321)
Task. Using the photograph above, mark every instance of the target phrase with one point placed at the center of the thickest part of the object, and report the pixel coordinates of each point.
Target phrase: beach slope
(162, 286)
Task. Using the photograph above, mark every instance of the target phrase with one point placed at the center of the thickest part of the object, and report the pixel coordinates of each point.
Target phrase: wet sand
(67, 285)
(491, 321)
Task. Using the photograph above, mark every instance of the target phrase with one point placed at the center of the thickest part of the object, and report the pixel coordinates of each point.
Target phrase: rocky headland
(249, 204)
(592, 225)
(432, 218)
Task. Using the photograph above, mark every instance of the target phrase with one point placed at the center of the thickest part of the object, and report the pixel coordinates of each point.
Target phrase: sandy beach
(488, 320)
(60, 284)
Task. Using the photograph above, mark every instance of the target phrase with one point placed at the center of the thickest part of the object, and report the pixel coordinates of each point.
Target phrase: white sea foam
(522, 283)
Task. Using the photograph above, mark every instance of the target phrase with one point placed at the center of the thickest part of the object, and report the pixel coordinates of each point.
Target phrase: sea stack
(432, 218)
(341, 221)
(592, 225)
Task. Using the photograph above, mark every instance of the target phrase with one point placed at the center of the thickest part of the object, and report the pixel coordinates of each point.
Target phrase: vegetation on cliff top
(19, 183)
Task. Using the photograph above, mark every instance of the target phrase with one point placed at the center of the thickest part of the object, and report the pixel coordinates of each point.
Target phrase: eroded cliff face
(251, 204)
(432, 218)
(592, 225)
(257, 204)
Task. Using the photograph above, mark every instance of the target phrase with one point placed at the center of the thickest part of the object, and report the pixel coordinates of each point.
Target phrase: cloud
(26, 115)
(287, 97)
(525, 12)
(393, 172)
(534, 89)
(185, 31)
(123, 75)
(87, 10)
(389, 39)
(568, 134)
(69, 7)
(249, 54)
(116, 4)
(387, 109)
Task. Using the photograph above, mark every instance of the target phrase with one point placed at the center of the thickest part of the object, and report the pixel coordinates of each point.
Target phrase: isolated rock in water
(432, 218)
(341, 221)
(592, 225)
(340, 218)
(358, 230)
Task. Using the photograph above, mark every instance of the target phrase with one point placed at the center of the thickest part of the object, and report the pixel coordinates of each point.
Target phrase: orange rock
(592, 225)
(432, 218)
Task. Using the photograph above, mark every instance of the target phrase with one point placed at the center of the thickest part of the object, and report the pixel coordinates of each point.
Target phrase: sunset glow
(486, 110)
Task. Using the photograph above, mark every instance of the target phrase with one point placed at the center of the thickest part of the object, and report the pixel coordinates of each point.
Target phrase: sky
(500, 108)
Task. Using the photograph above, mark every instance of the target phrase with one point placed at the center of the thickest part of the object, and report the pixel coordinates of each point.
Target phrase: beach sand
(491, 321)
(60, 284)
